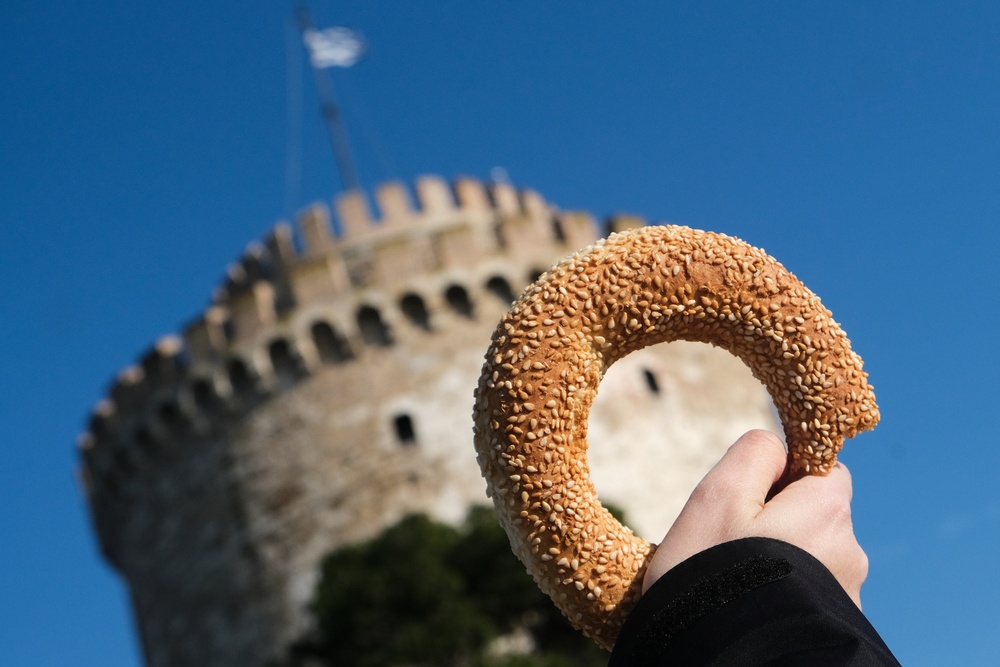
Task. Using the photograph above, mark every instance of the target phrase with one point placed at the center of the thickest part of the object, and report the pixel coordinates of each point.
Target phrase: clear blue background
(144, 144)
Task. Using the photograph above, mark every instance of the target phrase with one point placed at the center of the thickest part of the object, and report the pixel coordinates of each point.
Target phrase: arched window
(205, 398)
(330, 345)
(283, 361)
(651, 383)
(458, 299)
(413, 307)
(170, 415)
(499, 286)
(405, 433)
(240, 379)
(373, 329)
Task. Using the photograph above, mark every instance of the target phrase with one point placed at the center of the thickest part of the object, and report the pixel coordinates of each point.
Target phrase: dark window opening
(330, 345)
(283, 361)
(204, 395)
(373, 329)
(501, 288)
(654, 386)
(415, 310)
(170, 415)
(458, 299)
(404, 429)
(240, 379)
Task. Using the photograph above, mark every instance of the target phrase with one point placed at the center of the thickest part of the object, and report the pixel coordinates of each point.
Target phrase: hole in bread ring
(649, 449)
(548, 355)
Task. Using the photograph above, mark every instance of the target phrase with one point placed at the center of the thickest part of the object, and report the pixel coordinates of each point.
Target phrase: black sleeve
(750, 602)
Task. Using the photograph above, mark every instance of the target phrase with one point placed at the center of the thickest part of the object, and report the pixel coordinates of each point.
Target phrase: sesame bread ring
(549, 353)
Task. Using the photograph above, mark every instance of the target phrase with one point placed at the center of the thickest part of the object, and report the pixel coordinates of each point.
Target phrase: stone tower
(327, 392)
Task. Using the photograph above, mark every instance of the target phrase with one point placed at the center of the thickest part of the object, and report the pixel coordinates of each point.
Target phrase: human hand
(743, 496)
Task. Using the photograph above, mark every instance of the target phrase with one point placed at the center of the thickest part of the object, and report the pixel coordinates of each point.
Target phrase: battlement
(324, 392)
(450, 226)
(327, 292)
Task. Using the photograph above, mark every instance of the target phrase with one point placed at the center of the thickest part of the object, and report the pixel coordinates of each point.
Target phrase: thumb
(724, 503)
(750, 468)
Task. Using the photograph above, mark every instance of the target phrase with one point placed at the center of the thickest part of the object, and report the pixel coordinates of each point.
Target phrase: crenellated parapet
(326, 391)
(334, 289)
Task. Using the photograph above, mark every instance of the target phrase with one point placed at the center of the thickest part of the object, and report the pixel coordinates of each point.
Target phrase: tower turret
(326, 392)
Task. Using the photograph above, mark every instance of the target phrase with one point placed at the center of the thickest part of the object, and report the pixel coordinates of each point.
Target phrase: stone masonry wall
(327, 392)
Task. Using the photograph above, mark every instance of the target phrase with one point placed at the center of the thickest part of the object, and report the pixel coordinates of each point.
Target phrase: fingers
(811, 511)
(747, 494)
(828, 495)
(724, 503)
(748, 470)
(814, 513)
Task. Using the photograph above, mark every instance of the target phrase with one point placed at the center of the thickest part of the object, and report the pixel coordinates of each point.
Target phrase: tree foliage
(426, 594)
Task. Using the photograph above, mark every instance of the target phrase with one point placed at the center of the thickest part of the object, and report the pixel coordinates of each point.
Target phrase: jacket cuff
(746, 602)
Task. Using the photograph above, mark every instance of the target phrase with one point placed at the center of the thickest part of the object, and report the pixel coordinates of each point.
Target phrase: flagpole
(330, 112)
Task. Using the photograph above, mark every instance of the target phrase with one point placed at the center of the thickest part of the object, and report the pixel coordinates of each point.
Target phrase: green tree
(425, 594)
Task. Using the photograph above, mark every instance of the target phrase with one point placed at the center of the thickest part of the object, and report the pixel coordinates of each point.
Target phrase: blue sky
(143, 145)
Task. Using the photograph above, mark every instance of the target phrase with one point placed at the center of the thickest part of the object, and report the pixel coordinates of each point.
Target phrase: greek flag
(333, 47)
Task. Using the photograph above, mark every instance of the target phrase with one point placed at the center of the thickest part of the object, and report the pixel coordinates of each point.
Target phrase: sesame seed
(632, 293)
